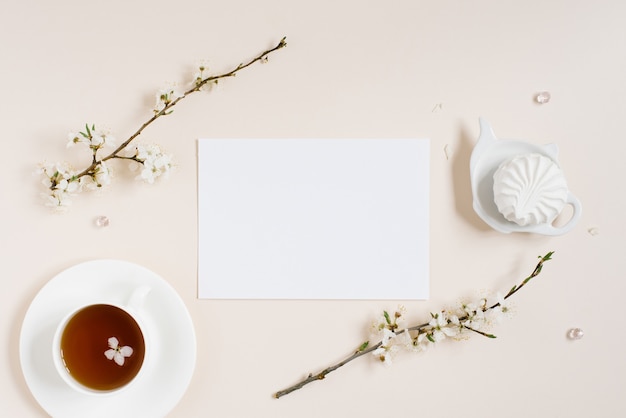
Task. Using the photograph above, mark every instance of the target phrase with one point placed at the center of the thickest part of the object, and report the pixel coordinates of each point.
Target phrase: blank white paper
(313, 218)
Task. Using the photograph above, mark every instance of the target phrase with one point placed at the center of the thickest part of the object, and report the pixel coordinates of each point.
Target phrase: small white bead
(102, 221)
(575, 334)
(542, 97)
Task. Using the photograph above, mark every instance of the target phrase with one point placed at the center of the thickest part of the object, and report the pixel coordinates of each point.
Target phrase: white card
(313, 218)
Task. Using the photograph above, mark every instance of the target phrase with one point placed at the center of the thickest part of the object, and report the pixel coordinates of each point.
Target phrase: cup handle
(577, 212)
(137, 298)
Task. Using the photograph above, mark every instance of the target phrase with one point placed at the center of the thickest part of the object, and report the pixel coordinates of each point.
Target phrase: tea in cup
(99, 348)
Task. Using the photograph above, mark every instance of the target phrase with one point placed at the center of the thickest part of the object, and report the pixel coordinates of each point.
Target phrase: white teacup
(101, 348)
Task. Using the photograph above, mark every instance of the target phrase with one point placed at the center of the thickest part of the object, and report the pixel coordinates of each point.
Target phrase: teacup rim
(59, 364)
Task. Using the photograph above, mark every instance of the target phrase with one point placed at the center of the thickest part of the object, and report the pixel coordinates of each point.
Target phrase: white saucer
(171, 365)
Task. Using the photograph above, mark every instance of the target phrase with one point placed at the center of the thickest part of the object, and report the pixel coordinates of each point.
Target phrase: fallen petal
(110, 353)
(119, 358)
(126, 351)
(113, 342)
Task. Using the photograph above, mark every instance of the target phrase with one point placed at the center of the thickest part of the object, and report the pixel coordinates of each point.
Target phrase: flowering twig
(417, 338)
(63, 182)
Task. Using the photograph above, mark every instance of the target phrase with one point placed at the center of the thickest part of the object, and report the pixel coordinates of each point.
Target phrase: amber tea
(102, 347)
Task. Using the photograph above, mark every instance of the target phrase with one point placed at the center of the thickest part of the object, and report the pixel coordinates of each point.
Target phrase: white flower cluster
(155, 163)
(62, 182)
(473, 317)
(92, 137)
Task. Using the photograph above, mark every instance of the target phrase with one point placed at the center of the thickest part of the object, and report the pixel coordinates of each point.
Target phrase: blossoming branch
(63, 182)
(394, 336)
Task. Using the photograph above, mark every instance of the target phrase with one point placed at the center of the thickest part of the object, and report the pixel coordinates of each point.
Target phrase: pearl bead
(542, 97)
(102, 221)
(575, 334)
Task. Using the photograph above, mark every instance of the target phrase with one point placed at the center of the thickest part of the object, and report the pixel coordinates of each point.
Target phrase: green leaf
(363, 346)
(387, 318)
(548, 256)
(430, 338)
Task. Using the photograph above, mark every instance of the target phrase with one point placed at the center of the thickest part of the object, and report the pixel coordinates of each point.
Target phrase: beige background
(398, 68)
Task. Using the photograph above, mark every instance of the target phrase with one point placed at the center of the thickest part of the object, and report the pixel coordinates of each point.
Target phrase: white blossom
(475, 314)
(455, 324)
(57, 199)
(503, 309)
(116, 352)
(102, 174)
(387, 348)
(61, 182)
(155, 162)
(92, 137)
(74, 138)
(102, 138)
(416, 345)
(400, 316)
(392, 322)
(440, 327)
(167, 95)
(421, 343)
(404, 339)
(100, 177)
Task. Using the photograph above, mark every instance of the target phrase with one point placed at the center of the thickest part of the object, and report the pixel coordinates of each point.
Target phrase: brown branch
(167, 109)
(322, 375)
(365, 349)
